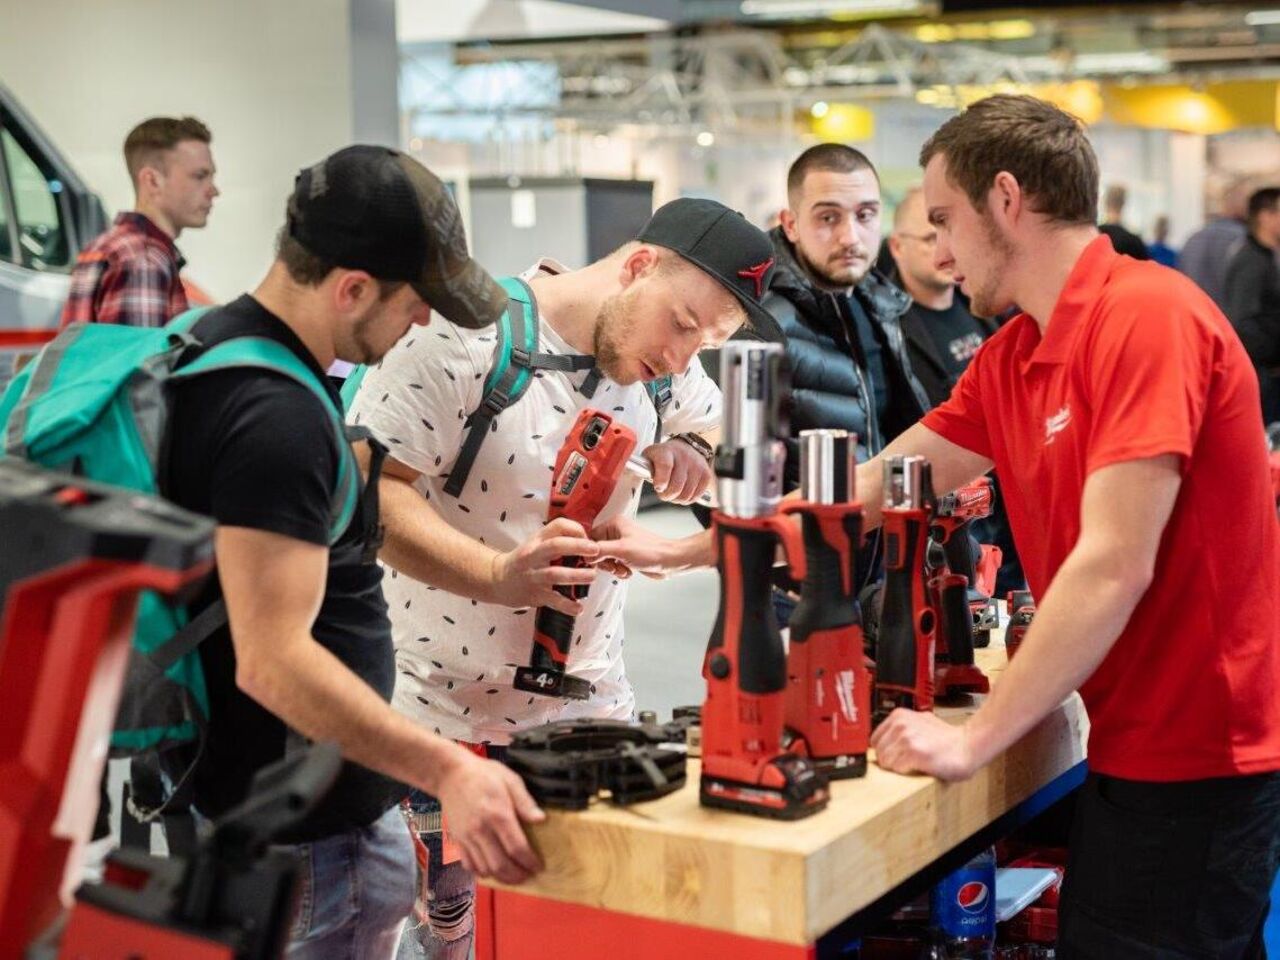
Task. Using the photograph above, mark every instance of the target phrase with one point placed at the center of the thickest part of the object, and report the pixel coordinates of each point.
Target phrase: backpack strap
(272, 355)
(374, 533)
(514, 363)
(660, 393)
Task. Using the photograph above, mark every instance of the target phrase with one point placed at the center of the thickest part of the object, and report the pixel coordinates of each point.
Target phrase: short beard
(984, 301)
(829, 280)
(613, 327)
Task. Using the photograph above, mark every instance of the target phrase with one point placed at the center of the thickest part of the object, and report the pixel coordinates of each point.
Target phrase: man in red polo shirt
(1120, 412)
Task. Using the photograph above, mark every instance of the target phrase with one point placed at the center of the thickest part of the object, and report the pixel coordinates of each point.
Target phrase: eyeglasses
(928, 239)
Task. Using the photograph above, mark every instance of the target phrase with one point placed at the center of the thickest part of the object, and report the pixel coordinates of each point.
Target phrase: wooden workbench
(671, 878)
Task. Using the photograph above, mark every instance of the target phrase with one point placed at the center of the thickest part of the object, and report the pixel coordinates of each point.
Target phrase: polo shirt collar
(1078, 298)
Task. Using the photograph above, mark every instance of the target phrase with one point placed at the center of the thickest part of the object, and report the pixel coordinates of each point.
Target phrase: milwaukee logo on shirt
(1056, 424)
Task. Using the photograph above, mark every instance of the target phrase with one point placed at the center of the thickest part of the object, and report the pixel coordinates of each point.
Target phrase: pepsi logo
(973, 896)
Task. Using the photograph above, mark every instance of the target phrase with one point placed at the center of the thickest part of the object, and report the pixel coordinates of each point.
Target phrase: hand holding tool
(588, 466)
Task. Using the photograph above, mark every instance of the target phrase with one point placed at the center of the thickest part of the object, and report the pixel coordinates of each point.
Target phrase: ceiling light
(820, 108)
(1134, 61)
(823, 8)
(1262, 18)
(706, 138)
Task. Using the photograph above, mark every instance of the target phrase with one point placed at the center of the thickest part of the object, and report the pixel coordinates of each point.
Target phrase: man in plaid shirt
(130, 273)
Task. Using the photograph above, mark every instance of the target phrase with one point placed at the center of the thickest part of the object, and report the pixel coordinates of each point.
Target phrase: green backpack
(95, 402)
(514, 364)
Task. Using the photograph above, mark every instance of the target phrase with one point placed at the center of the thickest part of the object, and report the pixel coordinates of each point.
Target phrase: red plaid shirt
(127, 275)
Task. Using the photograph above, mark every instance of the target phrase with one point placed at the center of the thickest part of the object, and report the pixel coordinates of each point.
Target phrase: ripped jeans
(443, 927)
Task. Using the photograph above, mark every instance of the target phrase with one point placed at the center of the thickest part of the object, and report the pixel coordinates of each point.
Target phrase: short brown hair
(1043, 147)
(147, 142)
(310, 270)
(834, 157)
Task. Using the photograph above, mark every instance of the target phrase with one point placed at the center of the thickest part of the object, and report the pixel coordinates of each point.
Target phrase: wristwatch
(705, 450)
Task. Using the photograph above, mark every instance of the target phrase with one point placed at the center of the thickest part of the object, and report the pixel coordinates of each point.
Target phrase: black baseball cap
(375, 209)
(723, 243)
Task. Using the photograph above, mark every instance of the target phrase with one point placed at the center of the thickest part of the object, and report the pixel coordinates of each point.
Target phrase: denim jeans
(357, 890)
(1170, 871)
(448, 928)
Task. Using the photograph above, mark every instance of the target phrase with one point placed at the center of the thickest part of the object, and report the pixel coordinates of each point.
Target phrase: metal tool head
(908, 483)
(828, 463)
(756, 385)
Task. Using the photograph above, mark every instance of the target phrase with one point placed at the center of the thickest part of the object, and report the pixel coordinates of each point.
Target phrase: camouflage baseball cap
(375, 209)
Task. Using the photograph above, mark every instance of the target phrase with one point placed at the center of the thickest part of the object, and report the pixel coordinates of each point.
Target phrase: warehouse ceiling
(735, 63)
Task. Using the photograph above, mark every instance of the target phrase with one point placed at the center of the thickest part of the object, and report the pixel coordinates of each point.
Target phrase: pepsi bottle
(962, 909)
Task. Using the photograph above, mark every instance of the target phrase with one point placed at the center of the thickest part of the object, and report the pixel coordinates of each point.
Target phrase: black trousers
(1166, 871)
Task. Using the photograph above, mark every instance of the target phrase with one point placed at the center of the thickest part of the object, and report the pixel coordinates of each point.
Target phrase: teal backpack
(514, 363)
(95, 402)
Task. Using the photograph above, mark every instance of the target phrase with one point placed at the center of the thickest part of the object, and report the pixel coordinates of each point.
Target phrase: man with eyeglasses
(942, 335)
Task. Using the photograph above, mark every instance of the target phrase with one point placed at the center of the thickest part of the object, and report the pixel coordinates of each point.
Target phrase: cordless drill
(744, 766)
(951, 588)
(588, 466)
(828, 703)
(907, 632)
(951, 528)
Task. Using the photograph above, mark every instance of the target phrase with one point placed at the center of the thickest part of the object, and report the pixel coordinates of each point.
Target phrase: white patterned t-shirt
(456, 657)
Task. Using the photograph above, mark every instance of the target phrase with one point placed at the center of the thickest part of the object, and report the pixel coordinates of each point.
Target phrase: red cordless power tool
(744, 765)
(74, 558)
(905, 641)
(951, 527)
(588, 466)
(953, 590)
(828, 705)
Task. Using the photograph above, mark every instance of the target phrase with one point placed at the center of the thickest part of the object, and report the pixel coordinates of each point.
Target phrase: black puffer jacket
(829, 388)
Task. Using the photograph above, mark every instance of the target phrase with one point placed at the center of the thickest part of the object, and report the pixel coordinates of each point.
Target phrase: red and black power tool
(74, 558)
(591, 460)
(952, 526)
(952, 589)
(744, 765)
(907, 620)
(828, 705)
(1022, 610)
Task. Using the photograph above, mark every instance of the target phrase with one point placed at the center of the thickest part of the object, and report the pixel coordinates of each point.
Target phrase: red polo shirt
(1137, 362)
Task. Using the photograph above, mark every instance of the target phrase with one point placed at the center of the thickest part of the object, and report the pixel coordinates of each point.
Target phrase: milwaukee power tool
(591, 459)
(952, 526)
(828, 713)
(952, 590)
(744, 766)
(907, 620)
(73, 560)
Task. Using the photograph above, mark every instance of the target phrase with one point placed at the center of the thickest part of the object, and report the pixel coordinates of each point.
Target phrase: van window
(42, 234)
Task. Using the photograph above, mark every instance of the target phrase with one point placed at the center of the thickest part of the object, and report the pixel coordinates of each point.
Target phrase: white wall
(273, 81)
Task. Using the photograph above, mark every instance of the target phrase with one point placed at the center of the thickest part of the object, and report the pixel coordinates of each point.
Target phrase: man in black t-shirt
(372, 243)
(942, 335)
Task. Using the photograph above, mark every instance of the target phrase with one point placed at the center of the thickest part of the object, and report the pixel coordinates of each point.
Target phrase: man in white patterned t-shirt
(468, 571)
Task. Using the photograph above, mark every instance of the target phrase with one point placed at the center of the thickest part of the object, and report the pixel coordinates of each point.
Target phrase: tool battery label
(572, 471)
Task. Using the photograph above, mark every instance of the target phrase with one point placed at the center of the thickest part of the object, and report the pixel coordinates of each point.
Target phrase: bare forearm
(420, 544)
(952, 466)
(1083, 612)
(312, 691)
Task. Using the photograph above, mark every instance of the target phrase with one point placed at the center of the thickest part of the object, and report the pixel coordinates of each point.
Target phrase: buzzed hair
(900, 211)
(833, 157)
(1260, 200)
(147, 143)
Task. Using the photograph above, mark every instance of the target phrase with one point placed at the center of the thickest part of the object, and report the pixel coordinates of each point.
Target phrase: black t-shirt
(1125, 241)
(252, 448)
(940, 344)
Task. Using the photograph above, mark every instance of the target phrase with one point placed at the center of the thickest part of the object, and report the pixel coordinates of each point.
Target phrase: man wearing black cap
(688, 281)
(371, 245)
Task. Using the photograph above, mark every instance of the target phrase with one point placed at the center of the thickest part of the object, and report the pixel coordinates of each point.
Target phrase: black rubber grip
(824, 603)
(959, 551)
(896, 640)
(956, 619)
(760, 659)
(559, 627)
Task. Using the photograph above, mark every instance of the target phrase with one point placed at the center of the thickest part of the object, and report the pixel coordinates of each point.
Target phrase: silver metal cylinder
(906, 482)
(828, 460)
(749, 459)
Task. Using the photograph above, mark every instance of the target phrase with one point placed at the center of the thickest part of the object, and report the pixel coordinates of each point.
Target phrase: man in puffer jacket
(836, 315)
